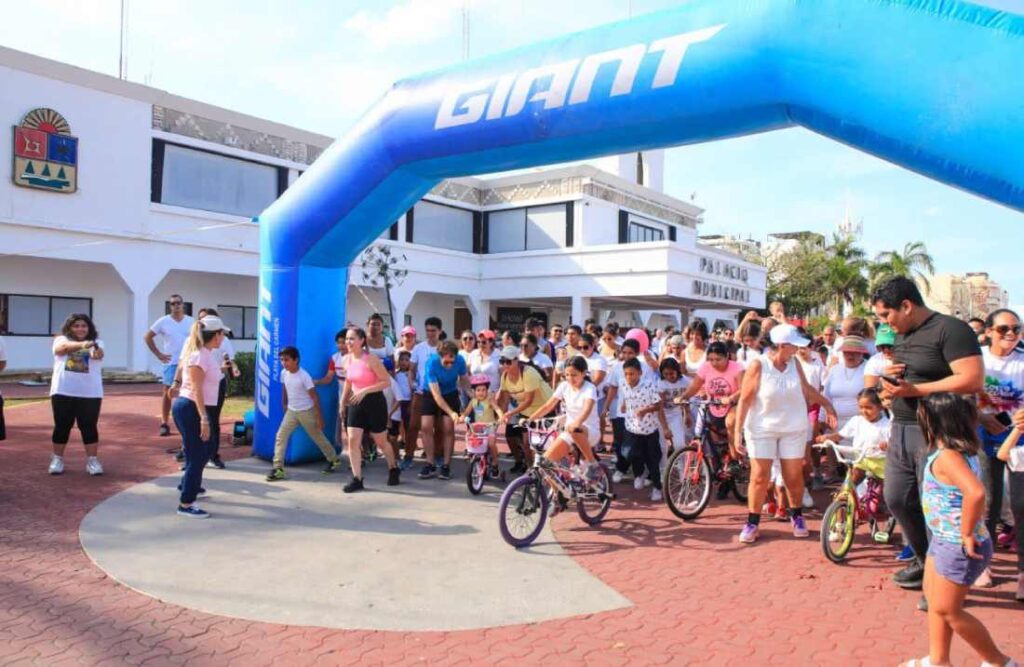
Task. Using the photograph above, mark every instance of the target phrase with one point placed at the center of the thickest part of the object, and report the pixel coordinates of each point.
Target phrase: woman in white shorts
(772, 416)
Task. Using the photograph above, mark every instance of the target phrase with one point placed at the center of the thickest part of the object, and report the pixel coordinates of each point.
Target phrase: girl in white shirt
(76, 390)
(578, 397)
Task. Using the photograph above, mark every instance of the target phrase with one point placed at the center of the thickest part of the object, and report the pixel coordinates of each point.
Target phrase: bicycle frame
(557, 475)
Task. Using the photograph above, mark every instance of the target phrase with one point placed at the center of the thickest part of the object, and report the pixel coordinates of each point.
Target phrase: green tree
(844, 272)
(798, 278)
(913, 262)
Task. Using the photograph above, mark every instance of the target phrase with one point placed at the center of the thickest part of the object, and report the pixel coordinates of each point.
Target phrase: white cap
(787, 333)
(214, 323)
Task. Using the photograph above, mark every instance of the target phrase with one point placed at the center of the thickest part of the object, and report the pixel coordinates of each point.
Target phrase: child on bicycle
(869, 432)
(482, 409)
(953, 499)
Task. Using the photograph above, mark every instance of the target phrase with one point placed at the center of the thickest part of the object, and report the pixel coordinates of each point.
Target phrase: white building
(167, 187)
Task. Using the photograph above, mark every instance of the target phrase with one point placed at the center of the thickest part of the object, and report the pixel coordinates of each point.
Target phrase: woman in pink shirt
(192, 408)
(719, 379)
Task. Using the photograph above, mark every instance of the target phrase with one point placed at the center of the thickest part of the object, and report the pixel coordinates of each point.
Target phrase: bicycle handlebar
(846, 454)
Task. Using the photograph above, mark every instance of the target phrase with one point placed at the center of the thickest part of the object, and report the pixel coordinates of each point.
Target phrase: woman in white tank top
(772, 416)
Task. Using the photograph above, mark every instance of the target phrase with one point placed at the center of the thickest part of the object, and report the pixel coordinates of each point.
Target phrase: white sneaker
(638, 483)
(808, 502)
(56, 465)
(647, 482)
(617, 477)
(656, 495)
(93, 467)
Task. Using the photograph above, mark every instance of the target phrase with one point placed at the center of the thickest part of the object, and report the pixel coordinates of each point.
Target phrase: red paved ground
(700, 598)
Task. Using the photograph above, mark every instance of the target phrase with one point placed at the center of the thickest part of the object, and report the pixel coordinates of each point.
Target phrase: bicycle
(524, 504)
(839, 524)
(692, 470)
(478, 468)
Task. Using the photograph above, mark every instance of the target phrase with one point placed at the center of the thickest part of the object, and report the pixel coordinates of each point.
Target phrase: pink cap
(408, 330)
(486, 333)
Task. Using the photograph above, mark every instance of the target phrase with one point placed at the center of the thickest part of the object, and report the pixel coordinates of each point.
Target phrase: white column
(141, 280)
(480, 309)
(401, 299)
(580, 309)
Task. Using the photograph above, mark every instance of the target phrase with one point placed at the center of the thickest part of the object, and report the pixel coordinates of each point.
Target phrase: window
(534, 228)
(27, 315)
(241, 320)
(639, 233)
(442, 226)
(208, 181)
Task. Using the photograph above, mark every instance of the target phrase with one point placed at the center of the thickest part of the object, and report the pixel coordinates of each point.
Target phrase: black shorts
(404, 408)
(369, 414)
(429, 408)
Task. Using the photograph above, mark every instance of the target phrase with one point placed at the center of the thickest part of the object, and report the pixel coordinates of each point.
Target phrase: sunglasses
(468, 338)
(1004, 329)
(586, 347)
(504, 362)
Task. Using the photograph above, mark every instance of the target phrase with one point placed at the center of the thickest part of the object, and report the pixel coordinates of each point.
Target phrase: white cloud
(414, 22)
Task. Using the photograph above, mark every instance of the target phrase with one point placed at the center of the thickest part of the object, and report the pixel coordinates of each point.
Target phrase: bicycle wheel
(837, 529)
(596, 500)
(522, 511)
(476, 474)
(741, 480)
(687, 485)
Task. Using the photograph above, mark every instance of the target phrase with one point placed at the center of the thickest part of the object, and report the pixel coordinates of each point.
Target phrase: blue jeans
(197, 452)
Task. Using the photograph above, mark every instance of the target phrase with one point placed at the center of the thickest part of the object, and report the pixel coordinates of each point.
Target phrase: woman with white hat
(772, 416)
(846, 380)
(196, 400)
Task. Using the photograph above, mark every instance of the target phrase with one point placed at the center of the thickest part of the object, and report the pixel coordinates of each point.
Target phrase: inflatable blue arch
(931, 85)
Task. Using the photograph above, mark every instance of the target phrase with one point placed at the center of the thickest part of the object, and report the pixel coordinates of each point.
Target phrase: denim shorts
(170, 370)
(950, 561)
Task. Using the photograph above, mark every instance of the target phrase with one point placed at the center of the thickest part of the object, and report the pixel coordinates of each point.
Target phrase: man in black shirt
(934, 353)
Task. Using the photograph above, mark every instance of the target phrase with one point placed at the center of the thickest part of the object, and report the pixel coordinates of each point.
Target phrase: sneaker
(56, 465)
(179, 456)
(781, 514)
(906, 555)
(911, 577)
(494, 472)
(817, 483)
(165, 430)
(518, 468)
(984, 579)
(218, 463)
(807, 502)
(93, 467)
(446, 472)
(768, 508)
(617, 477)
(1006, 537)
(656, 495)
(638, 483)
(799, 527)
(427, 471)
(749, 533)
(276, 475)
(355, 485)
(404, 464)
(393, 475)
(193, 512)
(332, 466)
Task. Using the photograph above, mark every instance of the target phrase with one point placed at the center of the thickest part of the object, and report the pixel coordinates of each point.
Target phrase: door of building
(463, 321)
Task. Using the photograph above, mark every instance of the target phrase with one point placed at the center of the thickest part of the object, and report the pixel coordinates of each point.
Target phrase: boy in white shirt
(641, 403)
(302, 408)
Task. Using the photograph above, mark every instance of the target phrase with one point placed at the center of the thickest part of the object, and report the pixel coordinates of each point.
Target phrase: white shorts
(592, 437)
(778, 446)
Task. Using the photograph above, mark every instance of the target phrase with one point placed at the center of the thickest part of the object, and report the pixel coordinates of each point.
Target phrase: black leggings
(213, 413)
(69, 410)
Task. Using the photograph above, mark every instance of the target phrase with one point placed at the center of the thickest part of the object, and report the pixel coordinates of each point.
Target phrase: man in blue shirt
(445, 371)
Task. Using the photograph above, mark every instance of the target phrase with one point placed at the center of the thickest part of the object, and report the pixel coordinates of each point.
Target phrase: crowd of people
(936, 404)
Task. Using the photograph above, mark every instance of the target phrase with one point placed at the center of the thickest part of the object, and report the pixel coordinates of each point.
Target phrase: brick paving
(699, 597)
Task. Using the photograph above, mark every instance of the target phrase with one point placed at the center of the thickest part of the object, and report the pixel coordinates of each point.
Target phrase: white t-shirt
(596, 362)
(841, 387)
(298, 385)
(634, 399)
(876, 365)
(208, 361)
(617, 378)
(420, 354)
(867, 435)
(173, 334)
(574, 399)
(77, 374)
(1004, 381)
(400, 385)
(670, 390)
(383, 352)
(1016, 460)
(478, 364)
(540, 360)
(814, 371)
(745, 355)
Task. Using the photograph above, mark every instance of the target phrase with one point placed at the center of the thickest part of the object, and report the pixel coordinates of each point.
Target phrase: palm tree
(914, 263)
(845, 271)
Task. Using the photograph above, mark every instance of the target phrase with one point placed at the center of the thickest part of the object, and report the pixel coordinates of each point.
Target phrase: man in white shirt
(173, 330)
(3, 365)
(417, 367)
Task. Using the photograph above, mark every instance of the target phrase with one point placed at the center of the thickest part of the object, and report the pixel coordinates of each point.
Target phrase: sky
(318, 64)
